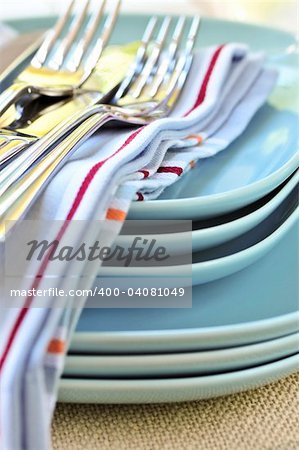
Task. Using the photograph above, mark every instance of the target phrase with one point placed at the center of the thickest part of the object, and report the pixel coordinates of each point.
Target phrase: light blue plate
(261, 159)
(256, 163)
(174, 389)
(258, 303)
(192, 197)
(212, 236)
(221, 229)
(228, 258)
(180, 364)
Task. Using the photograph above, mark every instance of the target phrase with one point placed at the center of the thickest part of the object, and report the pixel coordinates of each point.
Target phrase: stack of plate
(243, 328)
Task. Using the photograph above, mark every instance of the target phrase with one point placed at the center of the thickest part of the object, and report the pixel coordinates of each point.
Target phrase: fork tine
(103, 39)
(183, 64)
(70, 38)
(84, 43)
(178, 32)
(136, 89)
(169, 60)
(139, 59)
(193, 34)
(51, 37)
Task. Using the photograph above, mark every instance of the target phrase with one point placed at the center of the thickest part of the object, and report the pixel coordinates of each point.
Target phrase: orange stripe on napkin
(116, 214)
(198, 138)
(56, 346)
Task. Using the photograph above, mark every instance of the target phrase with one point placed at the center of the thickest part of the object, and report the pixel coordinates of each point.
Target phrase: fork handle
(18, 199)
(26, 160)
(14, 93)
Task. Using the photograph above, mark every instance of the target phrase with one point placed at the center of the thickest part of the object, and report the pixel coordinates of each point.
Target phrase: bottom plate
(174, 389)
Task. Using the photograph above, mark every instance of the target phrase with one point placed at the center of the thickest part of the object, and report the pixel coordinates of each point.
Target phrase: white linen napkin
(226, 86)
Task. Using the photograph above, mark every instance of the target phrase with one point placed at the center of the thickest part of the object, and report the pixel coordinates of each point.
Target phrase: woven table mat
(264, 419)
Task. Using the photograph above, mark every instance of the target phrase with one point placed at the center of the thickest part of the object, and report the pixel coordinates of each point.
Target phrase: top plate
(257, 162)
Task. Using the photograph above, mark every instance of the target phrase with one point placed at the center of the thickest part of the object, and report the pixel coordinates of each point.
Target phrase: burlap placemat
(263, 419)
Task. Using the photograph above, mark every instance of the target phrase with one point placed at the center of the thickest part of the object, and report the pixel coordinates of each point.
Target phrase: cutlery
(15, 138)
(64, 60)
(150, 90)
(18, 139)
(42, 114)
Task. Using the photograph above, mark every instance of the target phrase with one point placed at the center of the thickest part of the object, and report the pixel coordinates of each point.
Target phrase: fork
(149, 92)
(64, 61)
(29, 122)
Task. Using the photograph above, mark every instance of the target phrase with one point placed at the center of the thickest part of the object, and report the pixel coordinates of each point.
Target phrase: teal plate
(257, 162)
(213, 232)
(166, 390)
(226, 259)
(258, 303)
(180, 364)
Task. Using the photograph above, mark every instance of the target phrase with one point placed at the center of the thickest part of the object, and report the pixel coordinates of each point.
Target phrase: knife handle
(20, 196)
(28, 157)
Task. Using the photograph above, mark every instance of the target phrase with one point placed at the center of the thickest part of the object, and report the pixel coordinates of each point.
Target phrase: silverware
(36, 121)
(139, 100)
(63, 64)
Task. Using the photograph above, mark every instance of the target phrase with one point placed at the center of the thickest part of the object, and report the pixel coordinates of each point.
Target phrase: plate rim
(233, 194)
(253, 251)
(247, 221)
(188, 336)
(241, 355)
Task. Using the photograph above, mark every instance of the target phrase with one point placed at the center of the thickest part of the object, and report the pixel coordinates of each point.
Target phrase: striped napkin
(226, 86)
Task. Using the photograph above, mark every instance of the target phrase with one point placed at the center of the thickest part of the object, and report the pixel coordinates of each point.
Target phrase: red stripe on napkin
(177, 170)
(80, 194)
(203, 90)
(92, 173)
(145, 173)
